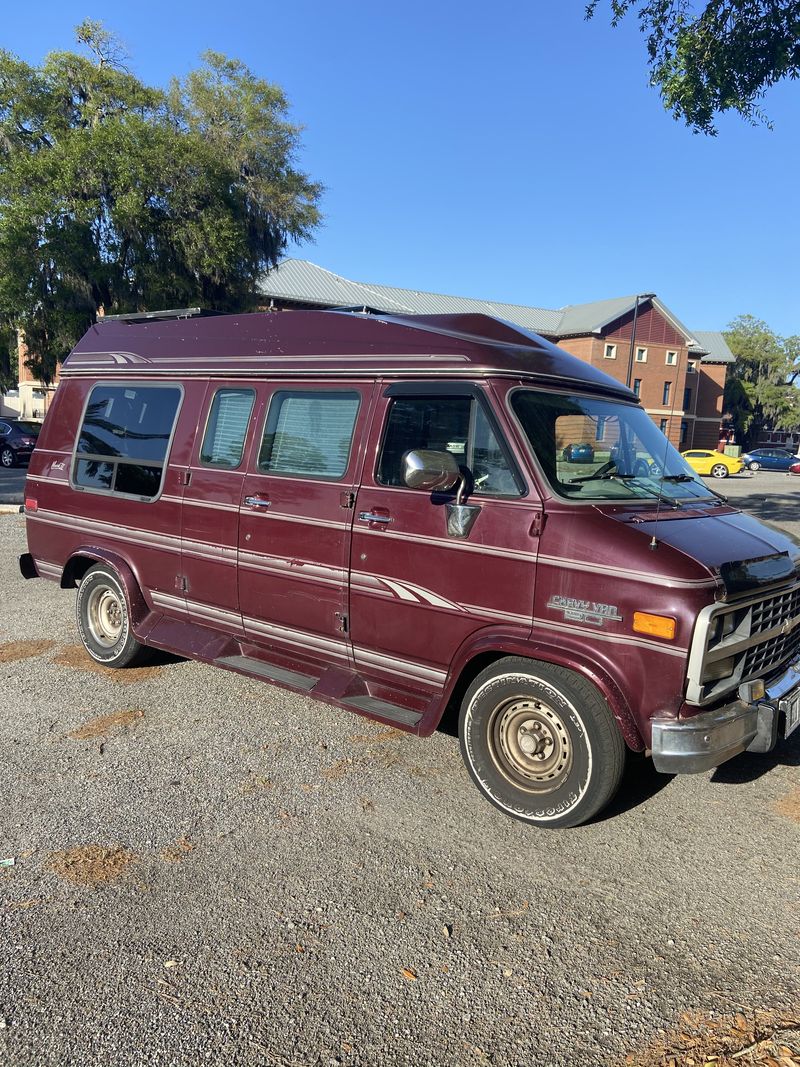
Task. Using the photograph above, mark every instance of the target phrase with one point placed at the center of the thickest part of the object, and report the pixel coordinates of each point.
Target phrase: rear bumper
(688, 746)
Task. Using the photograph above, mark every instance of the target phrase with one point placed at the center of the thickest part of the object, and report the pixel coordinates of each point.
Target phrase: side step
(267, 671)
(384, 709)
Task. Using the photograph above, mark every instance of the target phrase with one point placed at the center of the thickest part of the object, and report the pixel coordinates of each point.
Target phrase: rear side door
(417, 592)
(296, 518)
(211, 501)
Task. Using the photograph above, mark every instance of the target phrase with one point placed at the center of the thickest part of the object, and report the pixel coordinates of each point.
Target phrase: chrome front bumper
(688, 746)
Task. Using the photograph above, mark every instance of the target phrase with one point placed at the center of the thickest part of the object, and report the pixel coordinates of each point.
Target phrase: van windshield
(595, 449)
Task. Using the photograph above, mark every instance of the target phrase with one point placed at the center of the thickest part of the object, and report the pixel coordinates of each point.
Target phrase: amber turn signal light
(654, 625)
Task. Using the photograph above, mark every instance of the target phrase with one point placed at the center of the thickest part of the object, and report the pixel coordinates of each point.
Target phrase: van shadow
(159, 658)
(640, 783)
(751, 766)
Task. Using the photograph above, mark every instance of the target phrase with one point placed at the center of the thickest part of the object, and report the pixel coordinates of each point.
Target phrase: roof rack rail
(145, 316)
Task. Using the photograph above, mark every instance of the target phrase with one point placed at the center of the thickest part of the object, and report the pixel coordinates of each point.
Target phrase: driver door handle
(374, 516)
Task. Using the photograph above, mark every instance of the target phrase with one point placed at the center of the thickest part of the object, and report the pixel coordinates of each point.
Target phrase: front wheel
(7, 457)
(754, 466)
(103, 619)
(540, 743)
(719, 470)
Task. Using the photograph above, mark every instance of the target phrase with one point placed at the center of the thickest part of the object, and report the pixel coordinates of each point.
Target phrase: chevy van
(405, 515)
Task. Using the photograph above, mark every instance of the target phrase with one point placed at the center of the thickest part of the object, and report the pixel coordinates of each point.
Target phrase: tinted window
(309, 433)
(122, 444)
(223, 443)
(454, 424)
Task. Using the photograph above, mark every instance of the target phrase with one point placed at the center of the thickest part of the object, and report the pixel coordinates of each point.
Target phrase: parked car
(298, 499)
(17, 441)
(771, 459)
(717, 464)
(795, 468)
(578, 454)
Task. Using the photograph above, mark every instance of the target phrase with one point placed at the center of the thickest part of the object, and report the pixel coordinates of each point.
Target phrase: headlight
(722, 668)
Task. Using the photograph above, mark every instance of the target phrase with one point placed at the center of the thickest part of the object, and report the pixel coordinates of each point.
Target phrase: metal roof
(714, 345)
(304, 282)
(301, 281)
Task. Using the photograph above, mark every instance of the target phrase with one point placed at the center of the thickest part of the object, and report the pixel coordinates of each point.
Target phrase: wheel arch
(86, 557)
(478, 654)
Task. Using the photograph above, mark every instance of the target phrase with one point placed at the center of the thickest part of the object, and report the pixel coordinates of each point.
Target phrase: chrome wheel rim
(105, 616)
(7, 457)
(530, 744)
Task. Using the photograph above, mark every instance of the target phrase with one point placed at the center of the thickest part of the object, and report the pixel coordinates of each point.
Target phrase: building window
(637, 386)
(684, 430)
(691, 367)
(663, 426)
(610, 352)
(665, 394)
(672, 359)
(687, 399)
(641, 355)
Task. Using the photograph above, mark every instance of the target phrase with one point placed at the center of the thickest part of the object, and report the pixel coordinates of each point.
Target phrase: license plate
(790, 706)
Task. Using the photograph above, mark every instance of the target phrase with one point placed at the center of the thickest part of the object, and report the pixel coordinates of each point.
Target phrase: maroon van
(404, 515)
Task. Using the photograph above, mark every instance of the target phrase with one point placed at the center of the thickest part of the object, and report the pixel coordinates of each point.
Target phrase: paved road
(12, 484)
(211, 870)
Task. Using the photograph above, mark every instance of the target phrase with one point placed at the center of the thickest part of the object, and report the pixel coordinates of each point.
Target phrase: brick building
(678, 374)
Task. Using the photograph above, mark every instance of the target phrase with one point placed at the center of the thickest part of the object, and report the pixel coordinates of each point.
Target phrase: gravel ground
(212, 870)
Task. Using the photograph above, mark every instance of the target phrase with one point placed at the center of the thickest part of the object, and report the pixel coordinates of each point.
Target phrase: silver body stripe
(621, 572)
(618, 639)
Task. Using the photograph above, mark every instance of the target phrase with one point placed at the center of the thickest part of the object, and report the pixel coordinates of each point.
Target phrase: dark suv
(17, 441)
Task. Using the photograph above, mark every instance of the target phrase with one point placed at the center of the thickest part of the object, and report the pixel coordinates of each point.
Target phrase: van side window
(455, 424)
(223, 443)
(309, 432)
(124, 437)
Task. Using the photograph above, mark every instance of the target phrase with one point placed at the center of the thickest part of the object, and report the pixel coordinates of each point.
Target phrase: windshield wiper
(609, 475)
(688, 478)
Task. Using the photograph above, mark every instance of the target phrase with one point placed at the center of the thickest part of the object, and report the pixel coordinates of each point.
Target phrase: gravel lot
(212, 870)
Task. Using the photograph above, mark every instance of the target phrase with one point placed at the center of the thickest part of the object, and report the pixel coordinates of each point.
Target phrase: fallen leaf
(409, 974)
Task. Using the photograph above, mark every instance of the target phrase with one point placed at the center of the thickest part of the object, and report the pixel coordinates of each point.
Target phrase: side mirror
(429, 470)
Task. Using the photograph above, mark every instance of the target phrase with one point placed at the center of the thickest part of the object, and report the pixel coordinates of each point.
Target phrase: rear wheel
(719, 470)
(103, 619)
(7, 457)
(540, 743)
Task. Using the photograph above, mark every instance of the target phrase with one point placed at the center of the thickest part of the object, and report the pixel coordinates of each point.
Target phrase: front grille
(758, 635)
(765, 658)
(776, 610)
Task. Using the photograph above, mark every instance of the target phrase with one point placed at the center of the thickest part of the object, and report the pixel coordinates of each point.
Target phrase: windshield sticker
(585, 610)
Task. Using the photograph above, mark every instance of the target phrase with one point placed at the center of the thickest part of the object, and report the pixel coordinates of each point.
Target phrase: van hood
(741, 551)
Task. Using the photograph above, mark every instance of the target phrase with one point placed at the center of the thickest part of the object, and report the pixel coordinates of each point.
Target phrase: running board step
(267, 671)
(384, 709)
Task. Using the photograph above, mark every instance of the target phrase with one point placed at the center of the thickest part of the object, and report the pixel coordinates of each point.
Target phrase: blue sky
(503, 150)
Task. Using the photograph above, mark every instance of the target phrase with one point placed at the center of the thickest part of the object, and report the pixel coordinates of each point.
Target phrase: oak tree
(722, 57)
(117, 197)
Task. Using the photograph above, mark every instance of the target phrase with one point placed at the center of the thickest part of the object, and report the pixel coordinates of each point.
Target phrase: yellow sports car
(716, 464)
